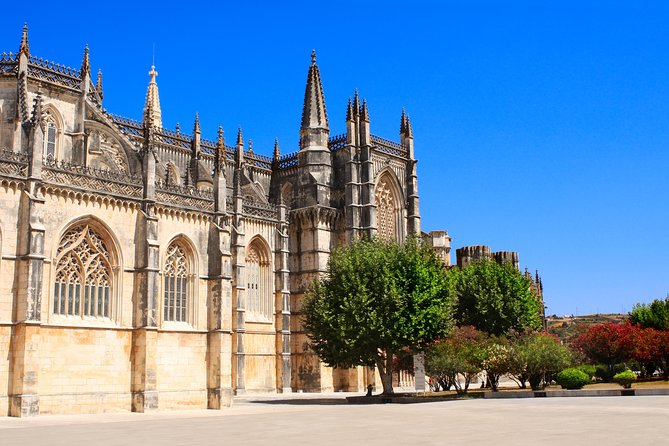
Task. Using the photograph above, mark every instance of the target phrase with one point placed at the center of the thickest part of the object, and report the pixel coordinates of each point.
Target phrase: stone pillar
(146, 288)
(282, 304)
(238, 248)
(352, 176)
(25, 338)
(219, 314)
(219, 317)
(313, 237)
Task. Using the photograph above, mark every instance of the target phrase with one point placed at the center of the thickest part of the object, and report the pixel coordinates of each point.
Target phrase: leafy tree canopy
(376, 299)
(653, 315)
(496, 299)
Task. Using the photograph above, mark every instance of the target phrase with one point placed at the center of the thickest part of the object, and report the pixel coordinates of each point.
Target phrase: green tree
(459, 354)
(653, 315)
(375, 300)
(499, 360)
(496, 299)
(544, 356)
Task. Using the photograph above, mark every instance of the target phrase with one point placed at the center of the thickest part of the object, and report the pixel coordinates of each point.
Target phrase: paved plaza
(327, 420)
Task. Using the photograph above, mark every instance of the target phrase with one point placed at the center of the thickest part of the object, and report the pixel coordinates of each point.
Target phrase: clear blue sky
(542, 129)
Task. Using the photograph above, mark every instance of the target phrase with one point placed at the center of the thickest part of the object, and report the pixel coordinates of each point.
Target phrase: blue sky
(540, 127)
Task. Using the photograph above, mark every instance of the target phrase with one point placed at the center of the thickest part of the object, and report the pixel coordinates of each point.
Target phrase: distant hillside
(565, 327)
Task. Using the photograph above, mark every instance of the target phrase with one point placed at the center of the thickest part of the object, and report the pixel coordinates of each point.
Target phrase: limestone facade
(148, 268)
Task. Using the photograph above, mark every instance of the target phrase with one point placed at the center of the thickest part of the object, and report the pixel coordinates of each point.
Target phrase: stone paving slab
(545, 421)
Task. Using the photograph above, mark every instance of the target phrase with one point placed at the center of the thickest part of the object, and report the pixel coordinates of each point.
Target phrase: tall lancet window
(175, 293)
(388, 209)
(83, 285)
(259, 300)
(50, 136)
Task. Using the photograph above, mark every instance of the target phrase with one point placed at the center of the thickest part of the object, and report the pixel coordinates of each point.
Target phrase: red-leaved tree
(610, 343)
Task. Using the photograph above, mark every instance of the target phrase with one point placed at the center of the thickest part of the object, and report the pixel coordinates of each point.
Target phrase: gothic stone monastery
(149, 268)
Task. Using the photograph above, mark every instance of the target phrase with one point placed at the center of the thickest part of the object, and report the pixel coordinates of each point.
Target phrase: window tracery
(50, 135)
(83, 284)
(175, 293)
(387, 209)
(259, 301)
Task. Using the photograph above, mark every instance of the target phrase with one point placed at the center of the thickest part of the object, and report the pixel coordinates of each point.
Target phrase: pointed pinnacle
(349, 111)
(250, 147)
(221, 139)
(277, 151)
(403, 122)
(85, 63)
(364, 111)
(240, 137)
(37, 109)
(98, 84)
(24, 48)
(356, 103)
(313, 57)
(409, 129)
(196, 126)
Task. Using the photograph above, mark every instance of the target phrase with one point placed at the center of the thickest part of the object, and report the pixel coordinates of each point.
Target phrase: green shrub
(588, 369)
(625, 378)
(572, 378)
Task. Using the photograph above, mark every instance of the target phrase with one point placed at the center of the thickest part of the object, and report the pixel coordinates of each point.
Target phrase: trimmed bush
(588, 369)
(572, 378)
(625, 379)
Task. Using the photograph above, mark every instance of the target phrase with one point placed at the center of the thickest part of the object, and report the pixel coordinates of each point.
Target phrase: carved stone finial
(196, 126)
(220, 149)
(313, 57)
(277, 151)
(356, 103)
(251, 147)
(364, 111)
(85, 63)
(349, 110)
(98, 84)
(409, 129)
(220, 140)
(403, 122)
(24, 49)
(37, 110)
(240, 137)
(153, 101)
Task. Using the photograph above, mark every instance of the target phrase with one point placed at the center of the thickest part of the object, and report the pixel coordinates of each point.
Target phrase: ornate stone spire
(240, 137)
(85, 63)
(152, 102)
(250, 147)
(196, 126)
(98, 84)
(24, 48)
(403, 122)
(37, 110)
(349, 111)
(314, 114)
(277, 151)
(219, 157)
(239, 153)
(363, 111)
(408, 129)
(356, 103)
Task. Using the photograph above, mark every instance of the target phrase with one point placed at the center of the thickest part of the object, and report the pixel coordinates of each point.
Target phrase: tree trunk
(385, 366)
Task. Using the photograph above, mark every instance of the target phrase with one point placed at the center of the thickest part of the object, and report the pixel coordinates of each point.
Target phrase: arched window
(388, 209)
(177, 284)
(51, 129)
(259, 300)
(84, 273)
